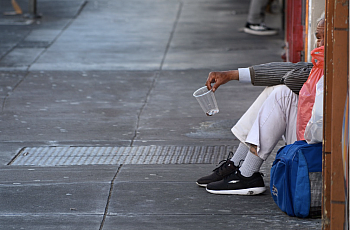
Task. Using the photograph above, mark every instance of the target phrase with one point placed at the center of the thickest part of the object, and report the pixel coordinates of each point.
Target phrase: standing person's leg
(276, 117)
(255, 21)
(240, 130)
(256, 12)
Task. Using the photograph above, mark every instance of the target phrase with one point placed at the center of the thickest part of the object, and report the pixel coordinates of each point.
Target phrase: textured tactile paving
(52, 156)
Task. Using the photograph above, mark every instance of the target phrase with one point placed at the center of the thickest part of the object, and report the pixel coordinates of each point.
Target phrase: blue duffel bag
(296, 179)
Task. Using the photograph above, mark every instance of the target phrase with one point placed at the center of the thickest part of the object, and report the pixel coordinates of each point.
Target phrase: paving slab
(62, 190)
(9, 81)
(54, 198)
(89, 198)
(108, 106)
(51, 222)
(90, 102)
(173, 90)
(142, 29)
(166, 197)
(34, 175)
(220, 50)
(210, 221)
(20, 52)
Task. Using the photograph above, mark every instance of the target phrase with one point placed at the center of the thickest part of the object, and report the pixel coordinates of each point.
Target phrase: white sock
(240, 154)
(251, 164)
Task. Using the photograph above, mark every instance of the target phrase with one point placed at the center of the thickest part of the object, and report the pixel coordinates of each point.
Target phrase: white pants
(273, 114)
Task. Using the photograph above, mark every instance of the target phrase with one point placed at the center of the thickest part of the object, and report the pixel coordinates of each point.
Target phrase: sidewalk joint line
(109, 197)
(41, 53)
(60, 33)
(157, 75)
(65, 27)
(14, 47)
(16, 156)
(171, 35)
(14, 88)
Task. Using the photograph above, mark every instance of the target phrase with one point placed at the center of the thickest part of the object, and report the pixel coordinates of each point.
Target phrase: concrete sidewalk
(99, 129)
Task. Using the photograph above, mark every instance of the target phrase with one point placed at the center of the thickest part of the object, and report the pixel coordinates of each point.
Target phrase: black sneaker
(226, 168)
(259, 29)
(236, 184)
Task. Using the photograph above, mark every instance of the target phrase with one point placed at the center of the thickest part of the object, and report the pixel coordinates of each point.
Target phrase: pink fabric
(308, 92)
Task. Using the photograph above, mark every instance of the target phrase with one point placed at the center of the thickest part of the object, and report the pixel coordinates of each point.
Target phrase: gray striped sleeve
(296, 78)
(292, 74)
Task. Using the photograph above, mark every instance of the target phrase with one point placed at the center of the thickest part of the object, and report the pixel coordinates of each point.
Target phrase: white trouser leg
(245, 123)
(276, 117)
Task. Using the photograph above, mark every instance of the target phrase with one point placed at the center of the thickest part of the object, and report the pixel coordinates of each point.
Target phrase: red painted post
(294, 33)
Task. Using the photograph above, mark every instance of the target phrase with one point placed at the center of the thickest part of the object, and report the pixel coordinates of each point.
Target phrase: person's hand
(219, 78)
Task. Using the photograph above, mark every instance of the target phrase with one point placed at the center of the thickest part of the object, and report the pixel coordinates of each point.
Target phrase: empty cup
(207, 101)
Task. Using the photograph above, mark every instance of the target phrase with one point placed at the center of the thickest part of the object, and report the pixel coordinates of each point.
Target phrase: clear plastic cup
(207, 101)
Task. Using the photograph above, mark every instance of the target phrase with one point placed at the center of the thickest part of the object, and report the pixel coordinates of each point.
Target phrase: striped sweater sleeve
(294, 75)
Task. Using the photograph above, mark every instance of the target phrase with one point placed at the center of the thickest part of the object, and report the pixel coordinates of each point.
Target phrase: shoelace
(223, 162)
(240, 163)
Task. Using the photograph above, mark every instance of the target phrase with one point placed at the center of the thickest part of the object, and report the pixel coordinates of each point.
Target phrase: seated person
(273, 115)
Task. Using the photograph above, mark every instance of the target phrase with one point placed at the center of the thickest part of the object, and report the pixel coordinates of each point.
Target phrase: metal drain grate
(54, 156)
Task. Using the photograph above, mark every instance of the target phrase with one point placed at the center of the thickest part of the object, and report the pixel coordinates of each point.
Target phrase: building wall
(314, 11)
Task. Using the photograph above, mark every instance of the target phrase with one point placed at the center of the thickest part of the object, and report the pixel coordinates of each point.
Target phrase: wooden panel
(340, 79)
(327, 121)
(335, 223)
(341, 14)
(336, 78)
(328, 76)
(326, 196)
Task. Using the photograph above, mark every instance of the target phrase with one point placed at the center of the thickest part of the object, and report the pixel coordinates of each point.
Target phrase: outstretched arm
(291, 74)
(219, 78)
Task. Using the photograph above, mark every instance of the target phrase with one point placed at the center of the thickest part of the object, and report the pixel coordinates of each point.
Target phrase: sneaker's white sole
(202, 185)
(254, 32)
(246, 192)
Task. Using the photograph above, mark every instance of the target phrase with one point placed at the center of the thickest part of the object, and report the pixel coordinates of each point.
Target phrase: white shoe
(259, 29)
